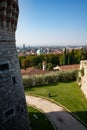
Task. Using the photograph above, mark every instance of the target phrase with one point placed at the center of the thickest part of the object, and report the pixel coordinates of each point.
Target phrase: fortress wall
(83, 64)
(13, 112)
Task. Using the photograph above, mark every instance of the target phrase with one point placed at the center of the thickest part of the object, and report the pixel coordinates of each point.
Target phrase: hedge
(50, 78)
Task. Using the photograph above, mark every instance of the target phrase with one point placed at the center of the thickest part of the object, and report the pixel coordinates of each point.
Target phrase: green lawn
(67, 94)
(38, 120)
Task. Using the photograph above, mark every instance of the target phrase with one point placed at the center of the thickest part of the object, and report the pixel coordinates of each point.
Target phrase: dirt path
(62, 119)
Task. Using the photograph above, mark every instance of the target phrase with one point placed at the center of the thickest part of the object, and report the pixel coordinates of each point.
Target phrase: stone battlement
(9, 14)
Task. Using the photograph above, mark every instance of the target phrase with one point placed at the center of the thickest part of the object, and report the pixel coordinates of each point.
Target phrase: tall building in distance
(13, 112)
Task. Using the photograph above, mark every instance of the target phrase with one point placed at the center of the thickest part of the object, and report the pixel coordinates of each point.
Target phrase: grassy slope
(42, 123)
(68, 94)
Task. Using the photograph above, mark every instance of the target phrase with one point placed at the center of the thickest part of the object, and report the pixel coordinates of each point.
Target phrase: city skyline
(52, 22)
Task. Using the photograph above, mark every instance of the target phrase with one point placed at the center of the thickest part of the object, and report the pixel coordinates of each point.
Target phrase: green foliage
(39, 66)
(66, 58)
(27, 81)
(37, 60)
(65, 76)
(25, 63)
(61, 59)
(49, 66)
(21, 58)
(49, 78)
(67, 94)
(83, 53)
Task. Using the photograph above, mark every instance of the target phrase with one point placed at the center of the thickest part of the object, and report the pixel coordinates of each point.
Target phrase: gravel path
(62, 119)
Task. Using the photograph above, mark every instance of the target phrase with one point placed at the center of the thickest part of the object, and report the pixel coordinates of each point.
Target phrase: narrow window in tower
(4, 67)
(9, 113)
(14, 80)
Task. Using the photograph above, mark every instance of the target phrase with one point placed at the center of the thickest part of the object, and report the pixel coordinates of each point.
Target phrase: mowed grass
(67, 94)
(38, 120)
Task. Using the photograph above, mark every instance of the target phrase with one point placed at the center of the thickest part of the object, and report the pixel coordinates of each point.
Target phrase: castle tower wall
(83, 65)
(13, 112)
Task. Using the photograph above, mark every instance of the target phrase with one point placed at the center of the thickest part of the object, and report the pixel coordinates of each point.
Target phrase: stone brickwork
(83, 66)
(13, 112)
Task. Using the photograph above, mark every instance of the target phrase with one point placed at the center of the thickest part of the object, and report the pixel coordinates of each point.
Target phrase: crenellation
(8, 14)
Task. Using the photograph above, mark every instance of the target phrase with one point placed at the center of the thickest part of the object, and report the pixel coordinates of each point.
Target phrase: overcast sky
(52, 22)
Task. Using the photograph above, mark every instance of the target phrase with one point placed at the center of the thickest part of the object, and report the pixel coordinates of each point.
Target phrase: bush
(49, 66)
(50, 78)
(65, 76)
(27, 81)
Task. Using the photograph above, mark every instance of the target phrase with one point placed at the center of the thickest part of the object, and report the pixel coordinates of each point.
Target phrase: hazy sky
(52, 22)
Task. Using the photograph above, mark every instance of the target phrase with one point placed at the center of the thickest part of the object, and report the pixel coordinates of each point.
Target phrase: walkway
(62, 119)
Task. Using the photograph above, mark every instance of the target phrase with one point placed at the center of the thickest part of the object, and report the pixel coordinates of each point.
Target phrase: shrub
(49, 66)
(27, 81)
(50, 78)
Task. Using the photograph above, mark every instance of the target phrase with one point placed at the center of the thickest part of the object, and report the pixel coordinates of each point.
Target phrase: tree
(25, 63)
(65, 57)
(49, 66)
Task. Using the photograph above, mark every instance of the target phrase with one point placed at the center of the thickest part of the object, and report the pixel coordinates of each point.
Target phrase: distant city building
(23, 46)
(45, 50)
(39, 52)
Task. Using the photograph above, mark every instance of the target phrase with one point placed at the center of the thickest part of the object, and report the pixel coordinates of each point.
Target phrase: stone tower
(83, 78)
(13, 112)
